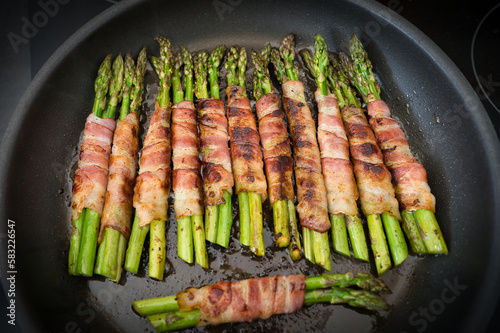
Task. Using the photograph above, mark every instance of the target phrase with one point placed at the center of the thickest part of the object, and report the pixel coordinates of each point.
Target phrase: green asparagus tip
(287, 52)
(242, 64)
(279, 66)
(265, 54)
(362, 75)
(188, 73)
(200, 71)
(138, 81)
(231, 65)
(216, 56)
(101, 86)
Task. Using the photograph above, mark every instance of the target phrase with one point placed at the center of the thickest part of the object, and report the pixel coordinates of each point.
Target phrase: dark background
(468, 33)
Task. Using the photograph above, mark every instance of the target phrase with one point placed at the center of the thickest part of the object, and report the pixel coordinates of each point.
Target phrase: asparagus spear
(190, 229)
(250, 203)
(284, 217)
(111, 253)
(316, 245)
(156, 228)
(319, 67)
(164, 315)
(420, 225)
(83, 241)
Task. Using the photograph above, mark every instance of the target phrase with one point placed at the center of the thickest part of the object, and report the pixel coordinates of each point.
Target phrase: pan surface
(447, 127)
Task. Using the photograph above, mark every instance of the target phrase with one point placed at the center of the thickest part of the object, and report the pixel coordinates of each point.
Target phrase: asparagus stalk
(284, 217)
(164, 315)
(345, 97)
(83, 241)
(420, 226)
(319, 68)
(250, 203)
(156, 228)
(285, 70)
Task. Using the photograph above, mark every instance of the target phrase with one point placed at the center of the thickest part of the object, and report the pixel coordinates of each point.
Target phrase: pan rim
(489, 291)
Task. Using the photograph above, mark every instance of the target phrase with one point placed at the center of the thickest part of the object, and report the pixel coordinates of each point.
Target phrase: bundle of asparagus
(186, 175)
(311, 191)
(408, 175)
(246, 154)
(216, 160)
(277, 155)
(247, 300)
(152, 186)
(91, 177)
(118, 210)
(337, 168)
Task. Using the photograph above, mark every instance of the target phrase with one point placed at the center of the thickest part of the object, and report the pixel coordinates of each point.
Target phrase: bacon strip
(152, 186)
(342, 191)
(276, 148)
(118, 211)
(247, 300)
(374, 180)
(248, 168)
(408, 176)
(186, 177)
(91, 177)
(216, 156)
(311, 191)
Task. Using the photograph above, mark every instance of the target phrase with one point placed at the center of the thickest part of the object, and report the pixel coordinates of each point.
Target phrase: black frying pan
(447, 127)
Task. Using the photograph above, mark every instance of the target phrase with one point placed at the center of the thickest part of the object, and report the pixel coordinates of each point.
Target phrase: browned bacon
(230, 302)
(276, 148)
(408, 176)
(91, 177)
(216, 156)
(342, 191)
(248, 168)
(152, 186)
(186, 176)
(311, 191)
(118, 211)
(373, 179)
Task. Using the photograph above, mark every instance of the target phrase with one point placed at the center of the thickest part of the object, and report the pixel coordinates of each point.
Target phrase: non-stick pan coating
(447, 127)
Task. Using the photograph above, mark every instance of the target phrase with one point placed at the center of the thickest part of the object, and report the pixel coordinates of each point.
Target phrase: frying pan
(446, 124)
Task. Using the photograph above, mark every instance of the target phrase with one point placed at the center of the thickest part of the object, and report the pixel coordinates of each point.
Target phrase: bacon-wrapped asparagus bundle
(377, 196)
(342, 191)
(152, 186)
(277, 156)
(216, 157)
(118, 210)
(186, 175)
(311, 191)
(259, 298)
(408, 175)
(246, 154)
(91, 177)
